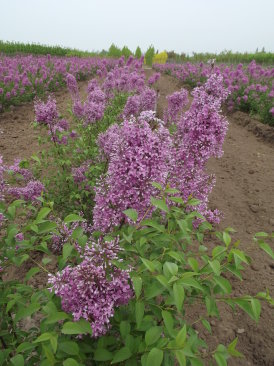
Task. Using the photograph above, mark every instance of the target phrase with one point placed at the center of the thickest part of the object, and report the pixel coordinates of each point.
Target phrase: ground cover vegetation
(106, 235)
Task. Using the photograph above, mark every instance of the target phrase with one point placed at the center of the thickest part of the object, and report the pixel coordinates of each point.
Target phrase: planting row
(24, 77)
(251, 86)
(108, 225)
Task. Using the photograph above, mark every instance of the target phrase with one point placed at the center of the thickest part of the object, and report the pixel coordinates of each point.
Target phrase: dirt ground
(244, 192)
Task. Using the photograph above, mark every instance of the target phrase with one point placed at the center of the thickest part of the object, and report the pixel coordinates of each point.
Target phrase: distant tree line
(261, 57)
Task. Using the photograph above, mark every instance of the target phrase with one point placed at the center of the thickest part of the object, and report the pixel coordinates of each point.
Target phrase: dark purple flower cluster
(92, 289)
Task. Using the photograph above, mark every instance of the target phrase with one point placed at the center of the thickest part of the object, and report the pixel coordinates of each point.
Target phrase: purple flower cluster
(92, 289)
(30, 192)
(16, 170)
(200, 136)
(2, 181)
(72, 86)
(137, 103)
(176, 103)
(79, 174)
(137, 156)
(46, 113)
(154, 78)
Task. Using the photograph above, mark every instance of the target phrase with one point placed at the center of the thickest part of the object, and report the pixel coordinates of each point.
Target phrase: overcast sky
(180, 25)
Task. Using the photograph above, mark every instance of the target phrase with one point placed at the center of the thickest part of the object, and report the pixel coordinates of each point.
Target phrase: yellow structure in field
(160, 58)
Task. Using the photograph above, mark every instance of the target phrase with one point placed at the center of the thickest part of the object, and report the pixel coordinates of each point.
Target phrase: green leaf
(191, 283)
(181, 337)
(139, 312)
(152, 335)
(25, 312)
(25, 346)
(132, 214)
(18, 360)
(46, 227)
(206, 324)
(216, 267)
(179, 296)
(224, 284)
(69, 347)
(80, 327)
(72, 218)
(43, 338)
(56, 317)
(31, 273)
(261, 234)
(252, 308)
(67, 249)
(155, 357)
(231, 348)
(168, 321)
(70, 362)
(226, 238)
(102, 354)
(122, 355)
(193, 202)
(137, 285)
(43, 213)
(163, 281)
(154, 224)
(256, 308)
(267, 249)
(170, 269)
(149, 265)
(156, 185)
(193, 264)
(181, 358)
(220, 359)
(54, 342)
(124, 328)
(159, 204)
(240, 255)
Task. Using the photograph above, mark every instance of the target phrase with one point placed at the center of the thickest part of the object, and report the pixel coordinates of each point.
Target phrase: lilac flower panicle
(90, 290)
(46, 113)
(137, 156)
(30, 192)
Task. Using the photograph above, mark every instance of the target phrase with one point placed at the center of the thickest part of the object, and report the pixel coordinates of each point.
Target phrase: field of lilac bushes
(107, 239)
(251, 86)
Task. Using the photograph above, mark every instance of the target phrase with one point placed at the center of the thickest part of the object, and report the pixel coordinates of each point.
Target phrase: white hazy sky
(180, 25)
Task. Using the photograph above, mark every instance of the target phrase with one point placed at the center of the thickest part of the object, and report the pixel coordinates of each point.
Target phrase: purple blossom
(30, 192)
(138, 156)
(154, 78)
(92, 289)
(19, 237)
(46, 113)
(176, 103)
